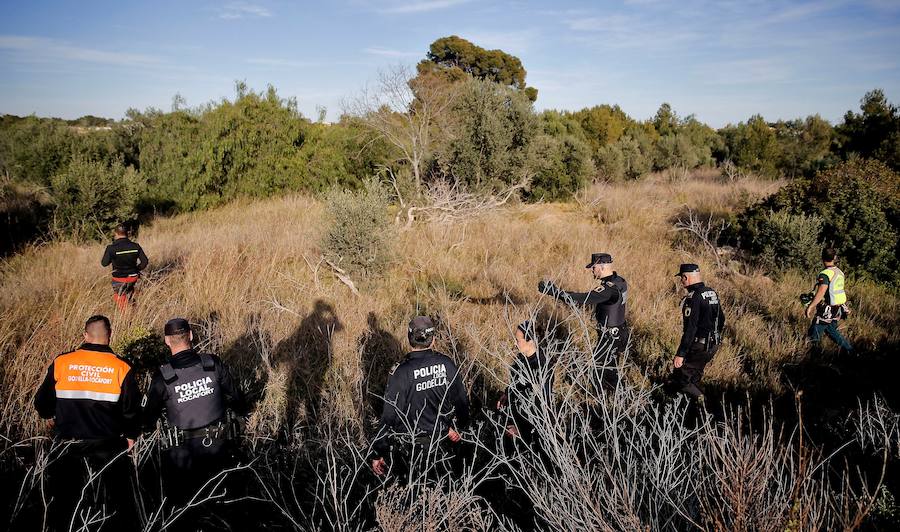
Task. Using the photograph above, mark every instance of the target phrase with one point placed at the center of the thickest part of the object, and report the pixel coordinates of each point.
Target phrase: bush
(93, 197)
(495, 126)
(24, 214)
(359, 237)
(561, 167)
(789, 240)
(858, 204)
(611, 163)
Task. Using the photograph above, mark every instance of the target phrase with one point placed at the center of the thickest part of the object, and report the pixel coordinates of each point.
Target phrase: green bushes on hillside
(857, 204)
(92, 197)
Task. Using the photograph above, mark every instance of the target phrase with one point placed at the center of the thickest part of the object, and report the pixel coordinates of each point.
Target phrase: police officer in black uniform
(704, 322)
(194, 390)
(608, 299)
(128, 260)
(425, 405)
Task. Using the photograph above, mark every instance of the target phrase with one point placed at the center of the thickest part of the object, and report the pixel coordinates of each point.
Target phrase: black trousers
(611, 344)
(92, 479)
(686, 379)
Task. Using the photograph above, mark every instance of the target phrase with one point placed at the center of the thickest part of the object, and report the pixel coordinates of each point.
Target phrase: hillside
(250, 276)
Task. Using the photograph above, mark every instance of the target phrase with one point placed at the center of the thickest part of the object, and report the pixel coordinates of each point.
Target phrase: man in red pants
(127, 259)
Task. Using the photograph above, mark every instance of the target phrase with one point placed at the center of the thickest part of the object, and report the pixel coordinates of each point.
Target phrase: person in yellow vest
(94, 402)
(829, 304)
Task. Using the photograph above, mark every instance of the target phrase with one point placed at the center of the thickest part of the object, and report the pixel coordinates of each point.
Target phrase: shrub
(92, 197)
(561, 167)
(359, 237)
(789, 240)
(611, 163)
(857, 202)
(495, 126)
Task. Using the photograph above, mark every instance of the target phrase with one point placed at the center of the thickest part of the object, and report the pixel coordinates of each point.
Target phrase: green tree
(872, 133)
(454, 55)
(805, 145)
(602, 124)
(494, 128)
(752, 146)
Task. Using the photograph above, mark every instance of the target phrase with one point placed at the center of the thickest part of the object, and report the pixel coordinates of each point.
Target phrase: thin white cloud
(40, 49)
(801, 11)
(422, 6)
(239, 10)
(746, 72)
(513, 42)
(387, 52)
(280, 63)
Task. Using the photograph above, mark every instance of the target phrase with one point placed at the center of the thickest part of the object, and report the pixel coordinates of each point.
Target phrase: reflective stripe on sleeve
(87, 394)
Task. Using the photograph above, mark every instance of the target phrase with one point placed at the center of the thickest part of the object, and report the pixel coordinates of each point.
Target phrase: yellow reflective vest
(836, 293)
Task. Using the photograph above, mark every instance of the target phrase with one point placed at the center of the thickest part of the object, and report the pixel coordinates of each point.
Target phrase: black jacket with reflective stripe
(127, 257)
(87, 418)
(197, 397)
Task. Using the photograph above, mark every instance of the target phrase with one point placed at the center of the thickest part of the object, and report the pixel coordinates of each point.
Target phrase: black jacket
(127, 257)
(703, 318)
(522, 395)
(608, 300)
(90, 411)
(424, 393)
(158, 392)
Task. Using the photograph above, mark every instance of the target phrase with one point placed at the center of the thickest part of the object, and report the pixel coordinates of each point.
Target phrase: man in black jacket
(127, 259)
(425, 394)
(194, 390)
(702, 324)
(608, 299)
(94, 402)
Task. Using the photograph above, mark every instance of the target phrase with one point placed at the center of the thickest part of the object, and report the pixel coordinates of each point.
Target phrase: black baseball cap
(687, 268)
(420, 331)
(421, 326)
(177, 326)
(600, 258)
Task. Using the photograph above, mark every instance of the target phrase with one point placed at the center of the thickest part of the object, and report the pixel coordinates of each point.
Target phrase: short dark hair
(90, 327)
(122, 229)
(180, 338)
(527, 330)
(829, 254)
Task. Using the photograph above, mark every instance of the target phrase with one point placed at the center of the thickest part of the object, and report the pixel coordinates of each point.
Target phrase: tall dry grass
(250, 277)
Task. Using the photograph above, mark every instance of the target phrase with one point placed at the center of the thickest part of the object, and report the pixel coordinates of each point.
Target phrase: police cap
(687, 268)
(421, 330)
(177, 326)
(599, 258)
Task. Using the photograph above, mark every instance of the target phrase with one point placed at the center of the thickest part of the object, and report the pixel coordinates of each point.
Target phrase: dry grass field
(250, 276)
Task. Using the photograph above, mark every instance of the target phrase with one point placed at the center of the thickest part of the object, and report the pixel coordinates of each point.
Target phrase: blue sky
(721, 60)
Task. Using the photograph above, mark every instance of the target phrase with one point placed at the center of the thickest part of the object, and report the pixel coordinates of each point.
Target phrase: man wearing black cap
(193, 390)
(703, 322)
(608, 299)
(127, 259)
(425, 404)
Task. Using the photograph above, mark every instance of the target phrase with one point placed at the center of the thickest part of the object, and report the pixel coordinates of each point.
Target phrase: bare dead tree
(407, 111)
(447, 202)
(706, 231)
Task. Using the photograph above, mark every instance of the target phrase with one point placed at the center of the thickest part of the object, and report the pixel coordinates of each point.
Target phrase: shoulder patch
(394, 368)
